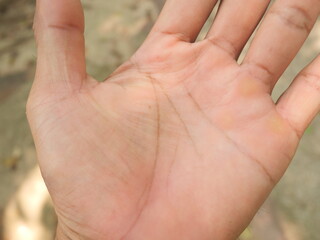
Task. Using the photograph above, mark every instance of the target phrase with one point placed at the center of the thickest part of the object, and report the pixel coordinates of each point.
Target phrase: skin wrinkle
(289, 14)
(82, 78)
(70, 229)
(224, 45)
(129, 168)
(97, 106)
(61, 213)
(149, 187)
(181, 120)
(153, 81)
(255, 120)
(65, 27)
(65, 75)
(66, 236)
(261, 67)
(297, 132)
(311, 79)
(122, 179)
(258, 163)
(195, 102)
(39, 126)
(245, 153)
(67, 83)
(68, 28)
(171, 165)
(146, 191)
(31, 107)
(43, 124)
(57, 100)
(96, 145)
(122, 69)
(181, 37)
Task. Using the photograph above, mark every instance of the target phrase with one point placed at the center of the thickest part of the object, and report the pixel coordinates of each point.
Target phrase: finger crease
(311, 79)
(179, 36)
(65, 27)
(224, 45)
(295, 17)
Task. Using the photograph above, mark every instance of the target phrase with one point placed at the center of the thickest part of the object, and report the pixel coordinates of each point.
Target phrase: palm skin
(180, 142)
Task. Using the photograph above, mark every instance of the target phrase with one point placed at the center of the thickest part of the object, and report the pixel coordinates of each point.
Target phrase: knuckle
(311, 79)
(295, 17)
(260, 71)
(225, 45)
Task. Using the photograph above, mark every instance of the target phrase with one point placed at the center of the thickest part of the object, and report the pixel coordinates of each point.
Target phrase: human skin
(181, 141)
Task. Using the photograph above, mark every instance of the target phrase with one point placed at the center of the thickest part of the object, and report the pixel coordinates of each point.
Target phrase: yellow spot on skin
(277, 125)
(226, 121)
(248, 87)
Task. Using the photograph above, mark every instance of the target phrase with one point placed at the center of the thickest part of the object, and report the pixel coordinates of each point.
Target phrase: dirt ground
(114, 29)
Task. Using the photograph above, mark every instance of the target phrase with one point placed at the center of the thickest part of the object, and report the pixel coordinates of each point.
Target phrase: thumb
(59, 28)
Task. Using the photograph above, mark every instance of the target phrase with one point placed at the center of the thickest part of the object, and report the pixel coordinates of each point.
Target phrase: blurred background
(114, 30)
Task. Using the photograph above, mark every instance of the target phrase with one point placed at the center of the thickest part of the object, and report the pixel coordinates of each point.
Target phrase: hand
(180, 142)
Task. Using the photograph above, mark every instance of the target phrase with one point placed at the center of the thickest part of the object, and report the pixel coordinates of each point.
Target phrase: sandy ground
(114, 30)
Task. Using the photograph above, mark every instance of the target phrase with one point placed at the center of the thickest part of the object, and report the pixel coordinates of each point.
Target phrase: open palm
(180, 142)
